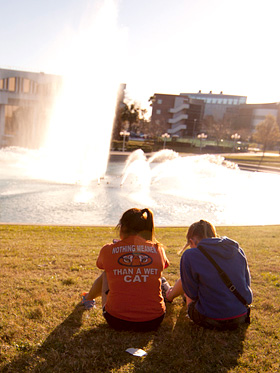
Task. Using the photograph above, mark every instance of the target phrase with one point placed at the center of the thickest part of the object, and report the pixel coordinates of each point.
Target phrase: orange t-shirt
(133, 267)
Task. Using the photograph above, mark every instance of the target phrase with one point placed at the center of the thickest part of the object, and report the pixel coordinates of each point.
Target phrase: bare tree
(267, 133)
(218, 129)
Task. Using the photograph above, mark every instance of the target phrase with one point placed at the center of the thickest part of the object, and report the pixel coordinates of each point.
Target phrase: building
(216, 105)
(188, 114)
(26, 100)
(252, 114)
(182, 115)
(178, 115)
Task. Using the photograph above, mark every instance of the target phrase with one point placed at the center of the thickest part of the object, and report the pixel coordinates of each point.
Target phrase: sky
(158, 46)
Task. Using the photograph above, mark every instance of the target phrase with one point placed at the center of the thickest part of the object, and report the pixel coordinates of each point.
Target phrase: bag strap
(223, 276)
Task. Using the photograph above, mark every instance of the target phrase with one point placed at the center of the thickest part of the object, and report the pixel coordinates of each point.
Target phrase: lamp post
(124, 134)
(235, 137)
(165, 136)
(194, 124)
(201, 136)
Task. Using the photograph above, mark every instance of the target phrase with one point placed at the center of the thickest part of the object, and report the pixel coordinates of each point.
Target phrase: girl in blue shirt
(210, 302)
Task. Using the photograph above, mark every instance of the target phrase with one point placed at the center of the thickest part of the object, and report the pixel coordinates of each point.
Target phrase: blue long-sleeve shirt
(201, 281)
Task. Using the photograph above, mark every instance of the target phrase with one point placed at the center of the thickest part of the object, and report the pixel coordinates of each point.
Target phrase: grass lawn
(267, 160)
(44, 329)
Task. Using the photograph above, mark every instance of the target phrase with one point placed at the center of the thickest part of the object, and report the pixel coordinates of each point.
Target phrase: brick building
(178, 115)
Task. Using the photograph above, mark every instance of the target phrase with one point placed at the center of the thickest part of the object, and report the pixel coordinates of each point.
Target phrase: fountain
(81, 123)
(178, 189)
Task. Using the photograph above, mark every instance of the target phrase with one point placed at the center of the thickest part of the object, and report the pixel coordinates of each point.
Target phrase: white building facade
(26, 100)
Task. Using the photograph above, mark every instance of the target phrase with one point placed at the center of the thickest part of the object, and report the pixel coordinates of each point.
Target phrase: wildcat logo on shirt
(135, 260)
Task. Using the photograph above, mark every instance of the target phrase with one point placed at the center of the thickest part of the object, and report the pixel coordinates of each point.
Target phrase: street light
(124, 134)
(165, 136)
(194, 123)
(235, 137)
(201, 136)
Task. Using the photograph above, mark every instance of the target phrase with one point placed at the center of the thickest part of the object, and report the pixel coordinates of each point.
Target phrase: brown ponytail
(140, 222)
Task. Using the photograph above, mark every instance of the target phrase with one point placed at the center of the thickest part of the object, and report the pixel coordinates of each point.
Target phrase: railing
(177, 128)
(178, 118)
(179, 108)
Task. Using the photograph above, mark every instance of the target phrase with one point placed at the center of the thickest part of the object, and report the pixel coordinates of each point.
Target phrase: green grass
(44, 329)
(267, 160)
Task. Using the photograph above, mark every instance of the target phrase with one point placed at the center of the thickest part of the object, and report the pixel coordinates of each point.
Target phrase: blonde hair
(201, 229)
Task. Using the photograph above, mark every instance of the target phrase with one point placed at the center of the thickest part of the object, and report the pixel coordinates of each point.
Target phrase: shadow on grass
(193, 349)
(178, 345)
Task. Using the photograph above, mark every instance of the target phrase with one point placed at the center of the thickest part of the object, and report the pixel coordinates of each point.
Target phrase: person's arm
(248, 281)
(247, 277)
(189, 282)
(163, 255)
(101, 258)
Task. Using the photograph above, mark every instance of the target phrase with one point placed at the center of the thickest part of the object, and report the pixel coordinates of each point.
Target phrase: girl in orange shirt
(130, 285)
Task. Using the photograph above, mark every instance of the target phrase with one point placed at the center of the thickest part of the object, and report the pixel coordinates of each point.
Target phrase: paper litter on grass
(136, 351)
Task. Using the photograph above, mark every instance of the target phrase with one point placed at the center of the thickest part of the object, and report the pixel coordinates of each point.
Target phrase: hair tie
(143, 212)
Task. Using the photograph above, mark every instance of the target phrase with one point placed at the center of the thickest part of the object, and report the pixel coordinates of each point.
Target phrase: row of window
(221, 101)
(20, 85)
(24, 85)
(225, 101)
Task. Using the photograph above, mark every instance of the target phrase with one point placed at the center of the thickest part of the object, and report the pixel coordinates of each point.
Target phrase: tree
(130, 117)
(130, 114)
(157, 127)
(239, 123)
(219, 129)
(267, 133)
(144, 123)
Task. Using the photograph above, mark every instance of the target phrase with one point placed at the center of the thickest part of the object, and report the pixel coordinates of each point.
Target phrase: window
(159, 101)
(32, 86)
(1, 84)
(235, 101)
(10, 120)
(26, 85)
(158, 111)
(12, 84)
(35, 88)
(225, 101)
(9, 110)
